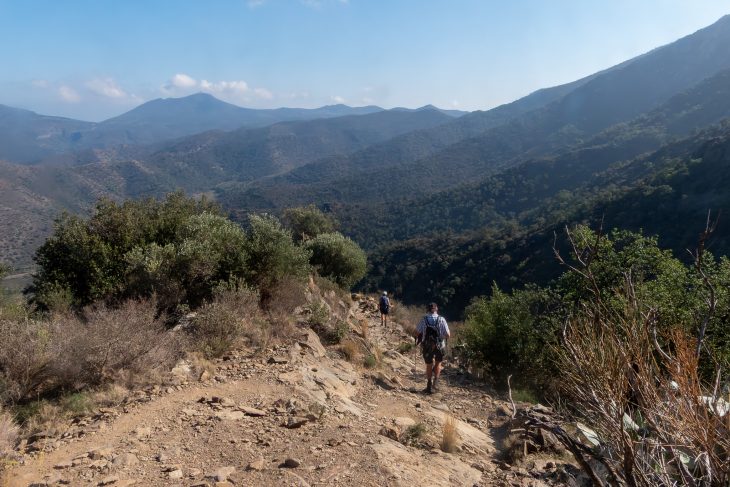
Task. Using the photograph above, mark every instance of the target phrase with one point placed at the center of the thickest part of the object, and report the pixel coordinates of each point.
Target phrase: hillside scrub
(307, 222)
(272, 255)
(520, 332)
(87, 258)
(652, 388)
(72, 352)
(337, 258)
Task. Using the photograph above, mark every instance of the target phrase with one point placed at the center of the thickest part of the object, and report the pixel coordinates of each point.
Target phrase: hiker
(432, 332)
(384, 306)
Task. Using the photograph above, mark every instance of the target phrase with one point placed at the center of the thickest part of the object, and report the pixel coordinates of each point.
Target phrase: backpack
(384, 303)
(431, 335)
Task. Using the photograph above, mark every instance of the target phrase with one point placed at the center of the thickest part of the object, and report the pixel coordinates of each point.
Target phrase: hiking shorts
(435, 353)
(384, 311)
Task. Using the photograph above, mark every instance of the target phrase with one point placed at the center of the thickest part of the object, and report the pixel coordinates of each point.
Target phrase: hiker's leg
(429, 371)
(437, 369)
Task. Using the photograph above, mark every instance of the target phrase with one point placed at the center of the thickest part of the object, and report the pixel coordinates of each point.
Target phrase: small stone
(256, 465)
(291, 463)
(253, 411)
(101, 453)
(229, 415)
(278, 360)
(296, 422)
(222, 474)
(175, 474)
(390, 432)
(112, 479)
(125, 460)
(142, 432)
(63, 465)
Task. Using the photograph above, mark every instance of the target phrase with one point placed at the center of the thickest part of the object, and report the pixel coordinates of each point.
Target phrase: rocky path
(294, 415)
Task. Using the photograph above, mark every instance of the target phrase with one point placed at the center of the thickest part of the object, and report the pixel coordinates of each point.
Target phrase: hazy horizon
(94, 60)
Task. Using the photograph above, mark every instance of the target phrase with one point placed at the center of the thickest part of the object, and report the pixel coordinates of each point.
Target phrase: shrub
(219, 324)
(104, 341)
(87, 256)
(209, 249)
(514, 333)
(272, 255)
(337, 258)
(413, 434)
(9, 433)
(371, 361)
(308, 222)
(24, 358)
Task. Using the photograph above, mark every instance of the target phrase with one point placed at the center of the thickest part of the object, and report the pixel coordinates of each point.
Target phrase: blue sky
(92, 59)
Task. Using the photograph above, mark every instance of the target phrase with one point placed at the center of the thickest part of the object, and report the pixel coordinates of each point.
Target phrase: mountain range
(27, 137)
(445, 202)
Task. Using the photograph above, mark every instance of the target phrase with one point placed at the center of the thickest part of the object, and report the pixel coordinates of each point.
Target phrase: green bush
(514, 333)
(87, 257)
(272, 255)
(209, 249)
(338, 258)
(308, 222)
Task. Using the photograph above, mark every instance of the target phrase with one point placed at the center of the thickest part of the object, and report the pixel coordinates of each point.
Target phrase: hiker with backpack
(432, 332)
(384, 306)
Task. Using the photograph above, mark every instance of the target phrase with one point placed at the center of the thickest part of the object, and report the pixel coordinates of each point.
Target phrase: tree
(209, 249)
(86, 258)
(338, 258)
(272, 254)
(307, 222)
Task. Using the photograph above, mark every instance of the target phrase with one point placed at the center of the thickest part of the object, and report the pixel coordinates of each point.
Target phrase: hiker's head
(385, 293)
(433, 307)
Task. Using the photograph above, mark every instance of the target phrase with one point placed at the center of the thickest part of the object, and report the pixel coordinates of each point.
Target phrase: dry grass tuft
(112, 395)
(449, 435)
(350, 350)
(408, 317)
(365, 328)
(9, 432)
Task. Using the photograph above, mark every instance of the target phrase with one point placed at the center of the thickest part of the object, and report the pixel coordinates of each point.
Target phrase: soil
(294, 415)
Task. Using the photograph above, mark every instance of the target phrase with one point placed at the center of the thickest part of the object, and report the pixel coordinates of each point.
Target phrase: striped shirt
(431, 320)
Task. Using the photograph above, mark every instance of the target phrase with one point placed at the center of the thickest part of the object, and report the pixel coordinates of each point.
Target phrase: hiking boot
(433, 386)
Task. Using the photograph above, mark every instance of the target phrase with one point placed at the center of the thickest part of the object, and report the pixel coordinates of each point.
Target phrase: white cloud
(338, 99)
(255, 3)
(106, 87)
(40, 83)
(68, 94)
(235, 91)
(263, 93)
(180, 81)
(221, 87)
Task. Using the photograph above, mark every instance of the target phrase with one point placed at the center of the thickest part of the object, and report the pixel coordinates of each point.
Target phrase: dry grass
(106, 342)
(45, 416)
(407, 316)
(365, 328)
(112, 395)
(9, 433)
(449, 435)
(222, 323)
(350, 350)
(24, 358)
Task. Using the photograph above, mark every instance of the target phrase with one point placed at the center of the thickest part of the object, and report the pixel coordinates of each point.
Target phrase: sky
(94, 59)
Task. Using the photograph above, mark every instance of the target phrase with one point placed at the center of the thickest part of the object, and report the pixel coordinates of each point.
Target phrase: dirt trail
(294, 415)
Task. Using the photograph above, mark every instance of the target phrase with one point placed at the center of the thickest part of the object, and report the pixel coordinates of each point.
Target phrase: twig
(509, 389)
